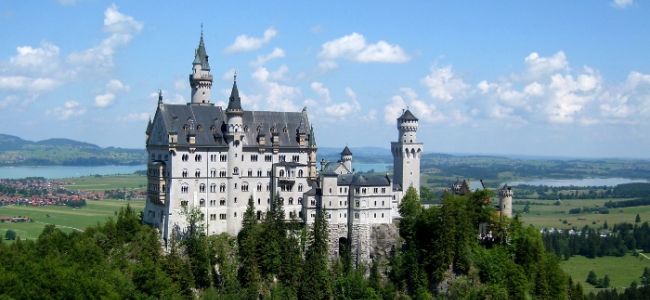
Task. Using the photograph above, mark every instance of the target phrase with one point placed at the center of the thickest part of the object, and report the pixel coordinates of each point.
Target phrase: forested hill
(15, 151)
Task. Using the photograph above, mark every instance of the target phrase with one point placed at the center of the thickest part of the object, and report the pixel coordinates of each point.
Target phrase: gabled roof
(363, 180)
(407, 116)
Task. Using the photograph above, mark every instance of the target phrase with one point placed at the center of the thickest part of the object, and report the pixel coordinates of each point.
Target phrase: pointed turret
(201, 79)
(312, 138)
(234, 102)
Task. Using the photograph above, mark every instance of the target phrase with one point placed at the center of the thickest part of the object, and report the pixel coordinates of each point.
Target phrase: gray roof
(330, 168)
(346, 151)
(207, 123)
(234, 102)
(407, 116)
(312, 137)
(201, 56)
(363, 180)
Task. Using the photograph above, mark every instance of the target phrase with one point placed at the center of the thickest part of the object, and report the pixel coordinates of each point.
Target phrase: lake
(78, 171)
(66, 171)
(577, 182)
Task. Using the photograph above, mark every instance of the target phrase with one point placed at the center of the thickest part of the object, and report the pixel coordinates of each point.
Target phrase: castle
(203, 157)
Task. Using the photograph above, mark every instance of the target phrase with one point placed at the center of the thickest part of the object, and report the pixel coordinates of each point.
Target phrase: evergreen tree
(637, 219)
(249, 274)
(645, 278)
(315, 284)
(196, 248)
(274, 232)
(10, 235)
(592, 278)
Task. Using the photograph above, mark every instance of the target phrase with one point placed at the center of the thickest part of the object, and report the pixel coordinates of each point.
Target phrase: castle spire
(234, 102)
(312, 137)
(201, 55)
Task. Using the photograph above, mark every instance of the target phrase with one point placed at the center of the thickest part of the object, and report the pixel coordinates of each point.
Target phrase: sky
(543, 78)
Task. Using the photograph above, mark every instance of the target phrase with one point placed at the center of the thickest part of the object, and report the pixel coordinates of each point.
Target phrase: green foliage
(315, 282)
(10, 235)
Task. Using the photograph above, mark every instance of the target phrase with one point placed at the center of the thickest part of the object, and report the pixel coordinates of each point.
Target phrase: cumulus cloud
(245, 43)
(539, 66)
(622, 3)
(24, 83)
(321, 90)
(277, 96)
(104, 100)
(68, 110)
(262, 59)
(444, 85)
(115, 86)
(121, 29)
(43, 59)
(354, 47)
(408, 98)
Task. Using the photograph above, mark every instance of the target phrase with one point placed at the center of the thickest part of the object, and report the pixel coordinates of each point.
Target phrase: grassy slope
(102, 183)
(551, 215)
(621, 270)
(66, 218)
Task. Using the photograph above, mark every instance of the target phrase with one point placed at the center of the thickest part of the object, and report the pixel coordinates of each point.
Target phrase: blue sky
(556, 78)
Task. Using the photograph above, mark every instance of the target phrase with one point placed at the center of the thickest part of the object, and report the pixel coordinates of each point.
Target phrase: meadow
(543, 213)
(621, 270)
(102, 183)
(65, 218)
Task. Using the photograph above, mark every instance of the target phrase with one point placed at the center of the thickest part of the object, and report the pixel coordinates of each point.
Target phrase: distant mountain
(15, 151)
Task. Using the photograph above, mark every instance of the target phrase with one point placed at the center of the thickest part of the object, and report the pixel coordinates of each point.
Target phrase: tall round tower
(406, 153)
(346, 158)
(201, 79)
(505, 201)
(312, 154)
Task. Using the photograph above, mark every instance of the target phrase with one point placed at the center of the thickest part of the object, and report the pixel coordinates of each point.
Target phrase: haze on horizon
(545, 78)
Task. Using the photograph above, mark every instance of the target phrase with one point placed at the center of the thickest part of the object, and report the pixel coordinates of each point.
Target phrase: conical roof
(407, 116)
(346, 151)
(234, 102)
(201, 56)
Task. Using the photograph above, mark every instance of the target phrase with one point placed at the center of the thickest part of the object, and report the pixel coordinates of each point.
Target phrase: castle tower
(505, 201)
(201, 79)
(312, 154)
(235, 139)
(346, 158)
(406, 153)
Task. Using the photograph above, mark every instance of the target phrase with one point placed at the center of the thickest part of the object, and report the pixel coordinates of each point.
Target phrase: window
(282, 158)
(313, 202)
(222, 173)
(363, 191)
(382, 203)
(235, 202)
(375, 203)
(222, 188)
(290, 201)
(356, 203)
(184, 174)
(213, 172)
(244, 187)
(375, 190)
(259, 187)
(268, 158)
(295, 158)
(281, 173)
(184, 203)
(202, 202)
(253, 157)
(375, 216)
(213, 157)
(268, 188)
(356, 215)
(259, 173)
(300, 200)
(300, 173)
(213, 217)
(383, 190)
(185, 157)
(197, 173)
(250, 173)
(197, 157)
(202, 188)
(213, 202)
(184, 189)
(222, 202)
(222, 216)
(223, 157)
(300, 187)
(235, 171)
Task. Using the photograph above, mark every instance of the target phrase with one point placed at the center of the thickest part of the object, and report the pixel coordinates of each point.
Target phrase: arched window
(235, 171)
(202, 188)
(197, 157)
(213, 188)
(290, 201)
(300, 187)
(300, 200)
(222, 188)
(300, 173)
(259, 187)
(281, 173)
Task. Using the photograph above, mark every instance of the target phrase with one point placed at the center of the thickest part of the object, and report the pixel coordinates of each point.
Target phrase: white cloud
(69, 109)
(569, 95)
(41, 60)
(245, 43)
(27, 84)
(444, 85)
(142, 116)
(8, 100)
(343, 109)
(104, 100)
(121, 28)
(354, 47)
(321, 90)
(262, 59)
(280, 73)
(622, 3)
(408, 98)
(539, 66)
(115, 86)
(276, 95)
(181, 84)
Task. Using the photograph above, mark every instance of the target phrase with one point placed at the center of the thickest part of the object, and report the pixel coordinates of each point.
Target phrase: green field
(621, 270)
(550, 215)
(66, 218)
(102, 183)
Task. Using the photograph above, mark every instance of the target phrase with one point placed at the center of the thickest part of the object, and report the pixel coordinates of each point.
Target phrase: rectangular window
(223, 157)
(254, 157)
(222, 216)
(213, 217)
(282, 158)
(268, 158)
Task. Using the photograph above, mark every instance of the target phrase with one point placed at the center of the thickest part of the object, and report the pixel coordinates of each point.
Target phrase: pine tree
(196, 247)
(637, 219)
(315, 284)
(249, 274)
(274, 231)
